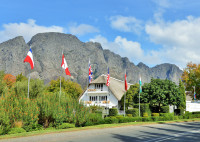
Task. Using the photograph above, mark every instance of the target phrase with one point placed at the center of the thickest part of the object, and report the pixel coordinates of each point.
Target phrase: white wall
(192, 106)
(85, 97)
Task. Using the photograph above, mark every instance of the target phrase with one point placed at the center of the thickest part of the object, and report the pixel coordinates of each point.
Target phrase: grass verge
(49, 131)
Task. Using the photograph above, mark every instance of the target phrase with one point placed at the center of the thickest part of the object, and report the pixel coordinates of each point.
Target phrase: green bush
(145, 114)
(167, 116)
(165, 109)
(129, 119)
(143, 108)
(134, 112)
(16, 130)
(156, 114)
(146, 119)
(66, 125)
(176, 118)
(113, 112)
(197, 112)
(33, 127)
(111, 120)
(155, 118)
(129, 115)
(179, 111)
(94, 119)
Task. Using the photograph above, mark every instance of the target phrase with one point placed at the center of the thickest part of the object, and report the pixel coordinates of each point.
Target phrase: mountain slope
(47, 53)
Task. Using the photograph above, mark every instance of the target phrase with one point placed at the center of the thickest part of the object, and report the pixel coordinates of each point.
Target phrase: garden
(47, 109)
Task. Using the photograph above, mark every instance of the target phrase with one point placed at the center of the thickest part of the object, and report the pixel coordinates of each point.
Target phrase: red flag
(108, 78)
(126, 86)
(64, 65)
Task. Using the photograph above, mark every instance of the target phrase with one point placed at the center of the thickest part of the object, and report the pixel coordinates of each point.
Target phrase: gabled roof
(117, 87)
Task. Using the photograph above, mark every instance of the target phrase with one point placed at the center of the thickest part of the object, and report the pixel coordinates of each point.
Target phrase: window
(93, 98)
(99, 86)
(102, 98)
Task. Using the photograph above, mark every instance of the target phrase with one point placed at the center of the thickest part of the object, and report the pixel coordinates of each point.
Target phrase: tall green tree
(130, 95)
(160, 93)
(183, 95)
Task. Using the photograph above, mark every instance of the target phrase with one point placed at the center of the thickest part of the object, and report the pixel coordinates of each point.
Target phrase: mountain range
(47, 53)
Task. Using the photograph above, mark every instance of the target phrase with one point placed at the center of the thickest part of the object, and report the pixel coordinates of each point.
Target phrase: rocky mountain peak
(47, 53)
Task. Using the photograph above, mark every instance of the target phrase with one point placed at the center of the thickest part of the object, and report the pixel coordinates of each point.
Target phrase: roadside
(102, 126)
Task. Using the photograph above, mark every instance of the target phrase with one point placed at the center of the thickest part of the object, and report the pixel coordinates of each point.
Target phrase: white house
(101, 95)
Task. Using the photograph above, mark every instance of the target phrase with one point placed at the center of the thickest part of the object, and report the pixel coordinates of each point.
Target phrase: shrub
(146, 119)
(176, 118)
(165, 109)
(134, 112)
(16, 130)
(156, 114)
(66, 125)
(145, 114)
(179, 111)
(197, 112)
(167, 116)
(94, 119)
(18, 124)
(155, 118)
(143, 108)
(111, 120)
(129, 115)
(113, 112)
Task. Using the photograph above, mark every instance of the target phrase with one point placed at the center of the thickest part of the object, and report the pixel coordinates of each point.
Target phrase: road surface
(187, 131)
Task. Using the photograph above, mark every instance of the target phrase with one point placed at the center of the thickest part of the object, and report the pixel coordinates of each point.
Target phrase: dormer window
(99, 87)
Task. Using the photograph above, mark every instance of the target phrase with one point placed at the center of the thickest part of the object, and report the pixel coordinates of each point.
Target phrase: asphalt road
(184, 132)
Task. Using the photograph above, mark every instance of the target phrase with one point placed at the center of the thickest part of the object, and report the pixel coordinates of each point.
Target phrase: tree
(191, 78)
(183, 95)
(160, 93)
(2, 84)
(20, 77)
(130, 95)
(9, 79)
(71, 88)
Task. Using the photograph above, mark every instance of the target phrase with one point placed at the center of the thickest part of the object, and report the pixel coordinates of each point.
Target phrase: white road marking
(172, 136)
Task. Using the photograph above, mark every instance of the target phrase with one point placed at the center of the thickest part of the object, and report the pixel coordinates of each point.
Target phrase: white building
(101, 95)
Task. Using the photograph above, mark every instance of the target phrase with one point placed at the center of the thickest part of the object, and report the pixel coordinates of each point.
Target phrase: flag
(108, 78)
(126, 86)
(90, 72)
(140, 83)
(194, 95)
(29, 58)
(64, 65)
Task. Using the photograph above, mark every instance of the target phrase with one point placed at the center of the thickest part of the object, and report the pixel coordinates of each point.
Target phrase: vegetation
(46, 108)
(191, 78)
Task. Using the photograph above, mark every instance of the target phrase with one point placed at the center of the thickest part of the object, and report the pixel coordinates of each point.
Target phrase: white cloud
(82, 29)
(27, 30)
(162, 3)
(121, 46)
(126, 24)
(179, 39)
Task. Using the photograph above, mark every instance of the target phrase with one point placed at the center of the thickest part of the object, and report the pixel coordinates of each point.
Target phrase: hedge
(165, 109)
(113, 112)
(143, 108)
(133, 111)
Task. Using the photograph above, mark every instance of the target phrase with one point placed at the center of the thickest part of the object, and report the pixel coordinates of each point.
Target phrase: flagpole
(88, 77)
(139, 94)
(60, 80)
(107, 95)
(124, 96)
(28, 83)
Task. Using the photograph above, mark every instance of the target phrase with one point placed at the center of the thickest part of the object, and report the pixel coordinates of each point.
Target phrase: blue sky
(148, 31)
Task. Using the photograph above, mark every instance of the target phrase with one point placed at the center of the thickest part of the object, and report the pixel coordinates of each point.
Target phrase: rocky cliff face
(47, 53)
